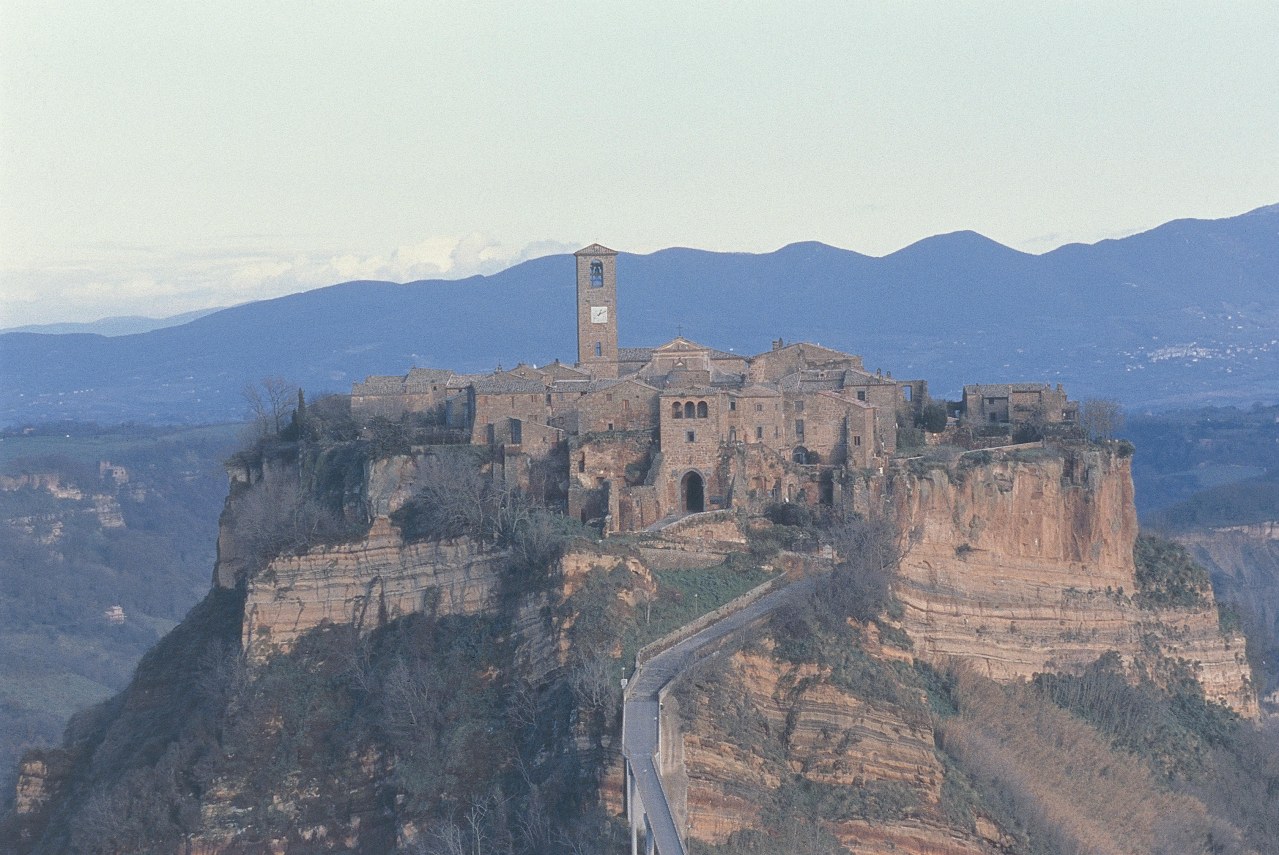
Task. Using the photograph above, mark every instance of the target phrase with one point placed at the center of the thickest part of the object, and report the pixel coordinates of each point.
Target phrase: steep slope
(1023, 561)
(1244, 561)
(387, 692)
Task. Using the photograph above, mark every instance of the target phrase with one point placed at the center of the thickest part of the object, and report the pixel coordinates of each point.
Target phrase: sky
(157, 158)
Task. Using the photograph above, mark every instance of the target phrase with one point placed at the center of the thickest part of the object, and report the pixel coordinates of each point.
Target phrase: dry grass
(1061, 778)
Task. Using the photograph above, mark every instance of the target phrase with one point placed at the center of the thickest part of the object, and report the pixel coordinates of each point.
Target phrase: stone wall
(627, 406)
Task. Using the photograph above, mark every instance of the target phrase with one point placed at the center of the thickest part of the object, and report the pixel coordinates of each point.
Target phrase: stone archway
(692, 491)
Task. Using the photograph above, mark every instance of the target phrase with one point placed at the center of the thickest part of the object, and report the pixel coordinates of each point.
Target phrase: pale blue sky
(161, 157)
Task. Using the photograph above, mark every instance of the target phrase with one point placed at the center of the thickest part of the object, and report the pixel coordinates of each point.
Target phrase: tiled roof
(383, 385)
(757, 391)
(431, 375)
(1003, 390)
(461, 381)
(507, 385)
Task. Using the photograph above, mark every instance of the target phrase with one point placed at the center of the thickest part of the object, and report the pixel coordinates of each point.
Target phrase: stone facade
(597, 310)
(682, 427)
(1018, 404)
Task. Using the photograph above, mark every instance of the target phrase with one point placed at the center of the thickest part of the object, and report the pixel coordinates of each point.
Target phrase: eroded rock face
(1025, 564)
(797, 723)
(365, 584)
(1244, 562)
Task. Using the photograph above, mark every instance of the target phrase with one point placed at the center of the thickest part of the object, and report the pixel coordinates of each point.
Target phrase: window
(690, 436)
(759, 431)
(597, 274)
(799, 406)
(599, 350)
(702, 410)
(581, 463)
(861, 394)
(690, 411)
(732, 434)
(759, 408)
(907, 392)
(857, 441)
(732, 404)
(517, 432)
(799, 428)
(609, 397)
(677, 410)
(610, 425)
(548, 399)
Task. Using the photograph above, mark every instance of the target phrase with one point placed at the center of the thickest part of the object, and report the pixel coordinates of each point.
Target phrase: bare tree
(455, 499)
(594, 684)
(1101, 418)
(276, 516)
(269, 404)
(861, 584)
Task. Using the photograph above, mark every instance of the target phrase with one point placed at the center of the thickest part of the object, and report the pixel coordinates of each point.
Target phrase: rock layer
(1024, 563)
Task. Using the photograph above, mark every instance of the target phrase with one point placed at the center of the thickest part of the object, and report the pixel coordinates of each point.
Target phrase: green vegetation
(1167, 577)
(61, 567)
(1180, 454)
(1236, 504)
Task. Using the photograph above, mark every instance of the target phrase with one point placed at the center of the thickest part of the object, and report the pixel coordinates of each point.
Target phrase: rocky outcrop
(1023, 562)
(1244, 563)
(796, 723)
(364, 584)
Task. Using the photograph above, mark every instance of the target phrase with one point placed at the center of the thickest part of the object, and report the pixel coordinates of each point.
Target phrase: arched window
(597, 274)
(677, 410)
(702, 410)
(599, 349)
(732, 434)
(690, 412)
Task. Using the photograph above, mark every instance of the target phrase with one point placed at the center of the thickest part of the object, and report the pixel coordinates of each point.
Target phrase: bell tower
(597, 310)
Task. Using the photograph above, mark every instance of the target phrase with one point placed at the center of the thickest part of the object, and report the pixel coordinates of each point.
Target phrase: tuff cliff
(1022, 561)
(1013, 564)
(1244, 561)
(391, 686)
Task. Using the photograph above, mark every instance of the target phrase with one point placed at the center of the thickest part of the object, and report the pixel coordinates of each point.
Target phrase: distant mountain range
(118, 325)
(1186, 313)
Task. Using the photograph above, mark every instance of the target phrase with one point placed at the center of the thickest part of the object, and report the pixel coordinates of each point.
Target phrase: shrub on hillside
(1167, 577)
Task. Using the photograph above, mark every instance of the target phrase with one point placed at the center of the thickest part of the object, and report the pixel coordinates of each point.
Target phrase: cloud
(144, 281)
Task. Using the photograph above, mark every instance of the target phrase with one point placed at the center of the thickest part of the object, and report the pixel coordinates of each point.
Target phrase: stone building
(1018, 404)
(677, 428)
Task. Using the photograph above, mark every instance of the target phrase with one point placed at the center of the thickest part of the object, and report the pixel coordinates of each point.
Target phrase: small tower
(597, 310)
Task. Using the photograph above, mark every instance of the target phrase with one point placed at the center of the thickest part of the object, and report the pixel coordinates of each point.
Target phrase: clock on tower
(597, 310)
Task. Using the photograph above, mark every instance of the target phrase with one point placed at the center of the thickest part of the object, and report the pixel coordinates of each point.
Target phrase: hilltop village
(681, 427)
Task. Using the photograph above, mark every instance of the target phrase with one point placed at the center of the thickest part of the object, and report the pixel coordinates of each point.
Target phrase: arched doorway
(693, 493)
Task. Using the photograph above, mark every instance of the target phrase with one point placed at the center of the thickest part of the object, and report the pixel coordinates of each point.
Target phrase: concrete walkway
(641, 711)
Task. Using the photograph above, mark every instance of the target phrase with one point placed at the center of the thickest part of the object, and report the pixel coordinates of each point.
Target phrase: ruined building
(681, 427)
